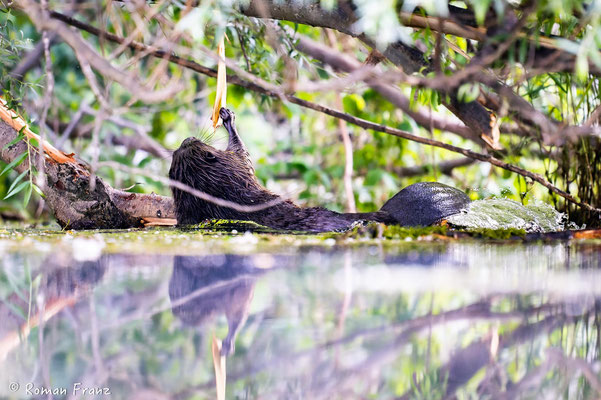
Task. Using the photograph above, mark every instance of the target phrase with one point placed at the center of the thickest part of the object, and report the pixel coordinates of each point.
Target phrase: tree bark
(75, 204)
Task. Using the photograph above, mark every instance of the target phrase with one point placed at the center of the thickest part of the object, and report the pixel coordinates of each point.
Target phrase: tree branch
(31, 59)
(473, 114)
(445, 167)
(342, 18)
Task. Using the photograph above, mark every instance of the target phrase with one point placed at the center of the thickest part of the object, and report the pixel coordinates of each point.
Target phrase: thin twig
(72, 124)
(41, 178)
(243, 48)
(347, 178)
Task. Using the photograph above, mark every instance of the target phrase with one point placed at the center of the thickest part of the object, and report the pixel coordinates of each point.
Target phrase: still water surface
(131, 315)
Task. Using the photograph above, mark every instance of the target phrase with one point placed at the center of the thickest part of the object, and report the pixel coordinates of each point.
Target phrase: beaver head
(225, 174)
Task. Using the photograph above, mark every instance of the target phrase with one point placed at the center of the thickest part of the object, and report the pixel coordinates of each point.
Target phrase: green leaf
(581, 66)
(14, 141)
(353, 104)
(14, 163)
(38, 190)
(17, 189)
(27, 194)
(468, 92)
(17, 180)
(480, 9)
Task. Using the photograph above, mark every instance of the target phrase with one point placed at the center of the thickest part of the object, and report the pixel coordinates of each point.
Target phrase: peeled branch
(16, 122)
(221, 93)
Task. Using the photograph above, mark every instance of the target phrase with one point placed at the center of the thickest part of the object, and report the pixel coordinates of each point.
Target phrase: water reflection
(438, 322)
(203, 287)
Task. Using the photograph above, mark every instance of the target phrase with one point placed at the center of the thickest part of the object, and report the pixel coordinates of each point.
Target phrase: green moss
(220, 224)
(231, 227)
(374, 230)
(414, 232)
(497, 234)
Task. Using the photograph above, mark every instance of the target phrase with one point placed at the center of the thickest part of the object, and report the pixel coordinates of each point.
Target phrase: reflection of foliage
(431, 386)
(392, 344)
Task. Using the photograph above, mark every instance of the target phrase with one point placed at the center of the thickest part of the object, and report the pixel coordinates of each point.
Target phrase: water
(134, 313)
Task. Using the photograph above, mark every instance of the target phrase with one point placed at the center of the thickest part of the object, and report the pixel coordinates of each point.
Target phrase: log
(75, 204)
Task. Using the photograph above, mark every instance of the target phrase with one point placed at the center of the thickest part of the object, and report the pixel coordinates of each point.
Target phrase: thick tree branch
(473, 114)
(342, 18)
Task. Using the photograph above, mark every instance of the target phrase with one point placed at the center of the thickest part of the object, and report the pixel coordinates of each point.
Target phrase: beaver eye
(211, 157)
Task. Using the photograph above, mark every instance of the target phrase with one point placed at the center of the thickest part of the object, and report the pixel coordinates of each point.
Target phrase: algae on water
(509, 214)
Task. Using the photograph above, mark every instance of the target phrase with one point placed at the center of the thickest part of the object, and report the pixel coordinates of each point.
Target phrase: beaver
(229, 174)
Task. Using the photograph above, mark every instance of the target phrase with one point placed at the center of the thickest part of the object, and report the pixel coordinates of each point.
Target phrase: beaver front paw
(226, 114)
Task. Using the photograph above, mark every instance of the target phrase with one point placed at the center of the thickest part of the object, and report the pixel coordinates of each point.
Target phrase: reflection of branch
(403, 330)
(334, 113)
(12, 339)
(465, 363)
(574, 363)
(530, 380)
(145, 315)
(535, 376)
